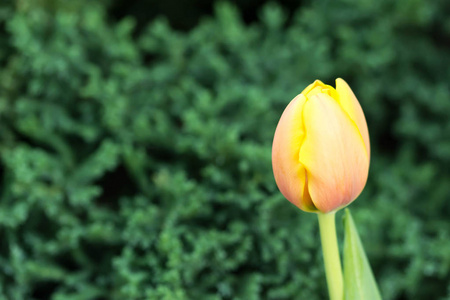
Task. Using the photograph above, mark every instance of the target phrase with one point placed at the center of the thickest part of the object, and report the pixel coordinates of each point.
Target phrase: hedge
(136, 160)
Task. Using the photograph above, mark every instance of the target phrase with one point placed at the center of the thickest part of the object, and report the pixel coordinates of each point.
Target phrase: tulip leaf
(359, 282)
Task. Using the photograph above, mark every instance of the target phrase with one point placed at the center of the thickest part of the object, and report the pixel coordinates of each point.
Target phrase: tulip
(321, 150)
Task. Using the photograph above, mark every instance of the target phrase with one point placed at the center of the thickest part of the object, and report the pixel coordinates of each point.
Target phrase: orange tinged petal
(350, 104)
(290, 175)
(333, 153)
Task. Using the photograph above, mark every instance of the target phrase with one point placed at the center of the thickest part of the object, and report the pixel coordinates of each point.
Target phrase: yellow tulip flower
(321, 149)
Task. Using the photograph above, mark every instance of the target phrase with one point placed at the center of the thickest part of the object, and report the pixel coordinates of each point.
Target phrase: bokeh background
(135, 143)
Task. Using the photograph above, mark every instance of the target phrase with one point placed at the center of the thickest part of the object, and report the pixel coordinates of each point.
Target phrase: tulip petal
(318, 87)
(333, 153)
(350, 104)
(290, 175)
(310, 87)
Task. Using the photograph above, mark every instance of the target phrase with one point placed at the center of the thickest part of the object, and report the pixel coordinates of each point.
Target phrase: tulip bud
(321, 150)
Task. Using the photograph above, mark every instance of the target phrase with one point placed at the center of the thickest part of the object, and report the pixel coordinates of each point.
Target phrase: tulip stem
(331, 256)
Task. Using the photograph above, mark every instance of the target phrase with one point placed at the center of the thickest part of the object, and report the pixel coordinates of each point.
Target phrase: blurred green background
(135, 144)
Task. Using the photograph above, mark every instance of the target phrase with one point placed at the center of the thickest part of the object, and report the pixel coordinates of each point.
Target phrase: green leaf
(359, 282)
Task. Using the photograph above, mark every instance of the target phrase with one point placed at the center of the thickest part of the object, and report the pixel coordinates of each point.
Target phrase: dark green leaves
(135, 161)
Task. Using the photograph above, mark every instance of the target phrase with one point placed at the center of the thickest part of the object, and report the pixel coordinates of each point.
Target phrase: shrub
(136, 163)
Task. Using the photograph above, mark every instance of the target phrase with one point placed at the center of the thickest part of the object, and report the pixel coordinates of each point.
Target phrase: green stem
(331, 256)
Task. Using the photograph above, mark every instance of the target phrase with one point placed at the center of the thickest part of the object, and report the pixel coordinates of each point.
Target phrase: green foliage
(136, 163)
(359, 282)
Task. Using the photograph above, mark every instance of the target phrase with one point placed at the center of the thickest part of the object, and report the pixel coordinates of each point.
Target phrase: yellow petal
(318, 87)
(333, 153)
(351, 106)
(309, 88)
(289, 173)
